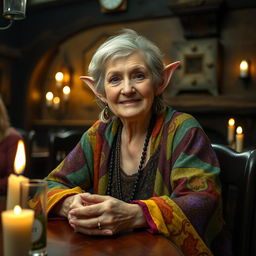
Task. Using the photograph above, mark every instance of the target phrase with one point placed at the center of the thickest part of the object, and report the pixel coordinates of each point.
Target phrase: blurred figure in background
(9, 138)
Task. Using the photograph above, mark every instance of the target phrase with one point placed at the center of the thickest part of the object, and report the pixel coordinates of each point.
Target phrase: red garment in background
(8, 147)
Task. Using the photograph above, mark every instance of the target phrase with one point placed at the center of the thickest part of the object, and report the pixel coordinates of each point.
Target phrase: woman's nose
(128, 87)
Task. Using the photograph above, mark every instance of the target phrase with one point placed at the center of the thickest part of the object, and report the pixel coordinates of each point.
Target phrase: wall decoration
(198, 69)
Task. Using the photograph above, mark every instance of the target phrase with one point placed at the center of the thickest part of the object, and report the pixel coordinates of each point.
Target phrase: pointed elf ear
(91, 83)
(168, 71)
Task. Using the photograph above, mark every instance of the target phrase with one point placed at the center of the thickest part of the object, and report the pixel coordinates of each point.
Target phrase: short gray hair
(123, 45)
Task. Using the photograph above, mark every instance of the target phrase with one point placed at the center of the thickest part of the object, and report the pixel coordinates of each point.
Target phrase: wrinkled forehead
(137, 58)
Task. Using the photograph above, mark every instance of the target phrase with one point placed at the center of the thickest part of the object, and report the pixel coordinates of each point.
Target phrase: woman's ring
(99, 226)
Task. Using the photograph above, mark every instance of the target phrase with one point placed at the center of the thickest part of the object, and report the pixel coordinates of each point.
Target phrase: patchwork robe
(186, 203)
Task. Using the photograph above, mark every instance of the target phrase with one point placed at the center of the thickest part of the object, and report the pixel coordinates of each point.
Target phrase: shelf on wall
(214, 104)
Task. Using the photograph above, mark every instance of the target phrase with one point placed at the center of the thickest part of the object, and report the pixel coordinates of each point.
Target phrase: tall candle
(59, 76)
(13, 189)
(239, 139)
(17, 229)
(66, 92)
(231, 131)
(244, 69)
(49, 98)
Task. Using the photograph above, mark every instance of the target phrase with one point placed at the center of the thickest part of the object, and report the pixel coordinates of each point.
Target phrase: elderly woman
(144, 164)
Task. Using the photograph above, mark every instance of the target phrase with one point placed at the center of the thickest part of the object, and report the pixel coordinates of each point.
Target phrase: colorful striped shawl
(185, 206)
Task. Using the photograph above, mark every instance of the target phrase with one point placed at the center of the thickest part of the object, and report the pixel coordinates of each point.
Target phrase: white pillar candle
(231, 131)
(239, 139)
(59, 76)
(244, 69)
(66, 92)
(49, 97)
(13, 187)
(17, 229)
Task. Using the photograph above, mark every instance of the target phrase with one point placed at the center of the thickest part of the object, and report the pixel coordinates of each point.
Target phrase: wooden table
(62, 241)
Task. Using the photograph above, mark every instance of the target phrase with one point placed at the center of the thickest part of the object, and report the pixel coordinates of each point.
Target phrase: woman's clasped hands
(93, 214)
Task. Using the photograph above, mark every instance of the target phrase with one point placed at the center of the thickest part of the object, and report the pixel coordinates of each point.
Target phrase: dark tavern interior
(210, 38)
(43, 55)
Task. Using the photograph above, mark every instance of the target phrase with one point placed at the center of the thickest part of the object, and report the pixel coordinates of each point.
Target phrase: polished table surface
(62, 241)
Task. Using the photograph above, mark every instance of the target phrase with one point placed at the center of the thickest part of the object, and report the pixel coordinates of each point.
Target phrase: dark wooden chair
(238, 178)
(60, 144)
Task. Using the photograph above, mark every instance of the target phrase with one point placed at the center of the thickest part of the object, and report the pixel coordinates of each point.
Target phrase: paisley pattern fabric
(185, 205)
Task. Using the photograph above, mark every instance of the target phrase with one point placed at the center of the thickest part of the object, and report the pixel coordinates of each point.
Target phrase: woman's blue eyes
(114, 80)
(117, 79)
(139, 76)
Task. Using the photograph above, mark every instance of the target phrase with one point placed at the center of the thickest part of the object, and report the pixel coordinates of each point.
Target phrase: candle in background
(59, 76)
(244, 69)
(49, 98)
(231, 131)
(66, 92)
(56, 102)
(13, 189)
(17, 230)
(239, 139)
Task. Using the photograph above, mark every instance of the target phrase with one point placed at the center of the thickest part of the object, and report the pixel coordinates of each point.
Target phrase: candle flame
(17, 210)
(49, 96)
(56, 100)
(231, 122)
(59, 76)
(239, 130)
(66, 90)
(20, 158)
(244, 65)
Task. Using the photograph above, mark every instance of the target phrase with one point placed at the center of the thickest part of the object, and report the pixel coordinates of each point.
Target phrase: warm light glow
(231, 122)
(56, 100)
(49, 96)
(66, 90)
(59, 76)
(17, 210)
(20, 158)
(239, 130)
(244, 65)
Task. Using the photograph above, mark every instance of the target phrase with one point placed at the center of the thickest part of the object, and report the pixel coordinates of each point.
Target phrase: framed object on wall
(198, 70)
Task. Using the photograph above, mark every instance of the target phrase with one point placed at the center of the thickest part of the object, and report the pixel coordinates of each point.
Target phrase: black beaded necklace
(114, 164)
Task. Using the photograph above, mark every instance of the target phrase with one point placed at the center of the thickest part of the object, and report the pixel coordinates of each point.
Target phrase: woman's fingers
(88, 211)
(93, 198)
(89, 226)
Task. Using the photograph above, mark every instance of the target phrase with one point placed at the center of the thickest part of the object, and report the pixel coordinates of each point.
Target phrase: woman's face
(129, 87)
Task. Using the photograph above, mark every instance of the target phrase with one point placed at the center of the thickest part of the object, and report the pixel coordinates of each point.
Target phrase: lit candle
(56, 102)
(17, 229)
(49, 98)
(244, 69)
(239, 139)
(59, 76)
(231, 131)
(13, 189)
(66, 92)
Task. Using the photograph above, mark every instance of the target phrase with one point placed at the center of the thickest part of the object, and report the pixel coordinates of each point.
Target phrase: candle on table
(231, 131)
(17, 229)
(239, 139)
(244, 69)
(13, 189)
